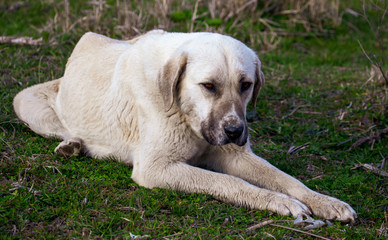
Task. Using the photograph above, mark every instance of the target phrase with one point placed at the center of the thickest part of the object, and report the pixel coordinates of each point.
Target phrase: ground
(322, 95)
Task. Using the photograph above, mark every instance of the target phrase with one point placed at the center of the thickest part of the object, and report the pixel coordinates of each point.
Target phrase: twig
(298, 148)
(319, 34)
(55, 168)
(10, 147)
(337, 144)
(259, 225)
(20, 40)
(372, 169)
(172, 235)
(311, 224)
(245, 6)
(251, 129)
(300, 231)
(194, 17)
(372, 138)
(317, 177)
(375, 63)
(16, 187)
(343, 142)
(383, 161)
(294, 110)
(125, 219)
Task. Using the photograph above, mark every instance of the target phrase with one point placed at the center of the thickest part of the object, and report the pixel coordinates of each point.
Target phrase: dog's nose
(234, 132)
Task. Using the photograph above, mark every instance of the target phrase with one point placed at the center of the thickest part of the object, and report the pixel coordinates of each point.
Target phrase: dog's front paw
(69, 148)
(331, 208)
(286, 205)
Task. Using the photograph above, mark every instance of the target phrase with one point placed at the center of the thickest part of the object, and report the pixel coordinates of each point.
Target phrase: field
(322, 117)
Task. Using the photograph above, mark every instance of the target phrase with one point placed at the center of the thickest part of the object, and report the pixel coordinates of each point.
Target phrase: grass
(316, 92)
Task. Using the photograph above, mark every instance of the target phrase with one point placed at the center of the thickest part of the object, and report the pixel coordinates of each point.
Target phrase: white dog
(167, 103)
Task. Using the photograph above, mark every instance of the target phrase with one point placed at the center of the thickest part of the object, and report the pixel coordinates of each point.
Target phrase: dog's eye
(209, 86)
(245, 86)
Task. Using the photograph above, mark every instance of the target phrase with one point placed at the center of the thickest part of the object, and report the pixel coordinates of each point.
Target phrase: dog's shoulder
(91, 43)
(156, 32)
(95, 40)
(93, 47)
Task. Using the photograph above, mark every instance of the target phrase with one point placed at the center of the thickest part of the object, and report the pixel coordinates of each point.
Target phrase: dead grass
(314, 15)
(376, 84)
(376, 90)
(135, 17)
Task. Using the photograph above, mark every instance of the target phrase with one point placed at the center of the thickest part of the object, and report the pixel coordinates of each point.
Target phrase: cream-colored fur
(172, 105)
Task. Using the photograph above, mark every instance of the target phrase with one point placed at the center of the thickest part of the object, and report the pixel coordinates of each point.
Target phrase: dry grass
(131, 18)
(376, 90)
(377, 75)
(312, 14)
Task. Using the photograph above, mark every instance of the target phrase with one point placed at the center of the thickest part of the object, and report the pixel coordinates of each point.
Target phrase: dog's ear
(259, 82)
(169, 76)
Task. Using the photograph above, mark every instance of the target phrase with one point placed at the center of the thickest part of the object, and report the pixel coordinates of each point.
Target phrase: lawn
(320, 117)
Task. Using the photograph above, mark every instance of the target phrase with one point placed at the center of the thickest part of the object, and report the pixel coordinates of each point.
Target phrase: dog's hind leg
(35, 106)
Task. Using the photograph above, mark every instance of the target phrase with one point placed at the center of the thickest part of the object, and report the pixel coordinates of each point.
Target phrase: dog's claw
(331, 208)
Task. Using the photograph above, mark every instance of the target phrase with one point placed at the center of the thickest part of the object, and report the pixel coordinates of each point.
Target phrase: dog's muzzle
(229, 130)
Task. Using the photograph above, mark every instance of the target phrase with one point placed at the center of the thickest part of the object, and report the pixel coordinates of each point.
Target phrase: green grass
(43, 196)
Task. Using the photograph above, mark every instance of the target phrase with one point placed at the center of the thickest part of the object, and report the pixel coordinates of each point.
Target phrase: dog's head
(211, 80)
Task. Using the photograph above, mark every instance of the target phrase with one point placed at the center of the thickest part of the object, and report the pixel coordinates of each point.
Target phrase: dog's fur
(173, 106)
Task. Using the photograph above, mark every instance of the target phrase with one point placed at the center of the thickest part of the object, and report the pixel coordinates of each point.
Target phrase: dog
(172, 106)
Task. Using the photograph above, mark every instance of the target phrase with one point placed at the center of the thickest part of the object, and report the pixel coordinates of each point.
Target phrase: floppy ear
(259, 82)
(169, 77)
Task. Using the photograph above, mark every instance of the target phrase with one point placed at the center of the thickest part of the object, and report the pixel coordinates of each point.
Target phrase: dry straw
(251, 21)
